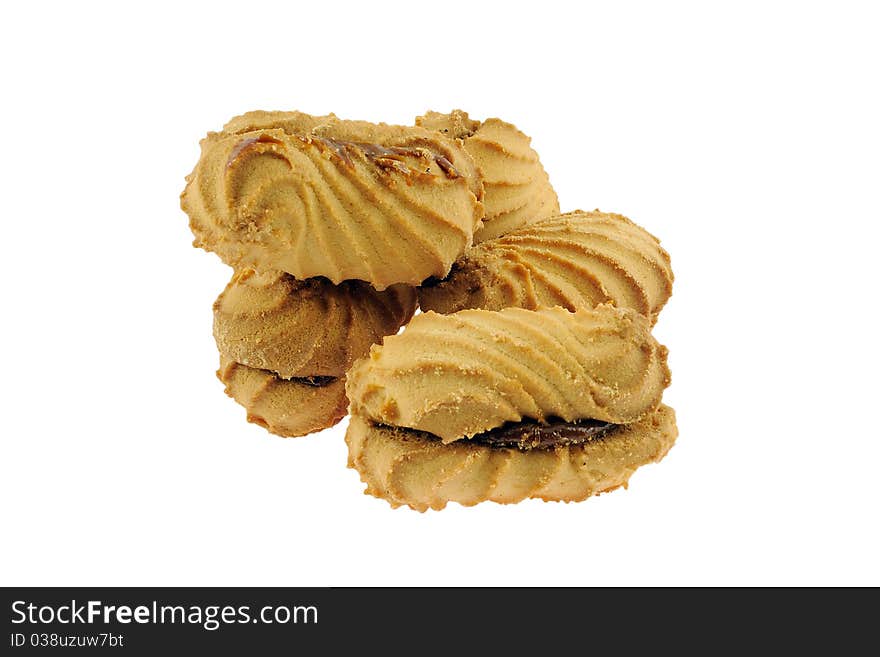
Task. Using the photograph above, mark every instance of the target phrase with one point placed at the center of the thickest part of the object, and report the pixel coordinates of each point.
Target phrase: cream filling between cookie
(314, 381)
(528, 434)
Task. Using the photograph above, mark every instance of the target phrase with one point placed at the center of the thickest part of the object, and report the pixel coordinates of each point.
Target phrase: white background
(746, 138)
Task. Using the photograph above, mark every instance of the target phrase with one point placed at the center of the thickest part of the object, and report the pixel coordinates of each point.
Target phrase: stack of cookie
(530, 373)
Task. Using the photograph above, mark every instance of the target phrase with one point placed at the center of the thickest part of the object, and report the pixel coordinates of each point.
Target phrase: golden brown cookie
(412, 468)
(508, 405)
(517, 189)
(294, 328)
(320, 196)
(466, 373)
(289, 408)
(285, 344)
(575, 260)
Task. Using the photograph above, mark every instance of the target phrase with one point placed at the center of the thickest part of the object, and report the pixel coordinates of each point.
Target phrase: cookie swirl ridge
(320, 196)
(575, 260)
(517, 188)
(272, 321)
(462, 374)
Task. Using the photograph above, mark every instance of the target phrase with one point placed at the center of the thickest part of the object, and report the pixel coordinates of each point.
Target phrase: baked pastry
(288, 408)
(320, 196)
(285, 344)
(517, 189)
(575, 260)
(305, 328)
(505, 405)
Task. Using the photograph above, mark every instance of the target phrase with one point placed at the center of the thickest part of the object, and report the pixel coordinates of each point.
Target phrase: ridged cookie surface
(517, 189)
(294, 328)
(320, 196)
(461, 374)
(575, 260)
(286, 408)
(406, 468)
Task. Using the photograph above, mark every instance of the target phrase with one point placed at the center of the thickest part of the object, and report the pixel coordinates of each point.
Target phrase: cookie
(285, 344)
(286, 407)
(507, 405)
(575, 260)
(517, 188)
(320, 196)
(307, 328)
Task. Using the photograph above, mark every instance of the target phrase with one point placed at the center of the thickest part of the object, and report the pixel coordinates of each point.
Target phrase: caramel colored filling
(528, 434)
(315, 381)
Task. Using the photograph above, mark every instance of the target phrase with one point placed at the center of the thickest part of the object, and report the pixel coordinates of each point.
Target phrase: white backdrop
(746, 138)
